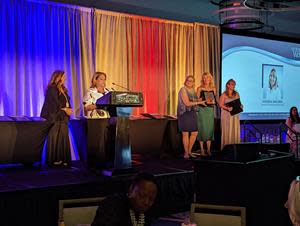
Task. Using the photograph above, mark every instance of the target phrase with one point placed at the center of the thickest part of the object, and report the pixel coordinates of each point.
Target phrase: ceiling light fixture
(272, 5)
(235, 15)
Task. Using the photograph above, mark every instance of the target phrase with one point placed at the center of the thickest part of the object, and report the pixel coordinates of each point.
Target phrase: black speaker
(260, 185)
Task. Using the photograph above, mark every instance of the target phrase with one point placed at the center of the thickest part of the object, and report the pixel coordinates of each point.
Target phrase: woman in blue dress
(186, 114)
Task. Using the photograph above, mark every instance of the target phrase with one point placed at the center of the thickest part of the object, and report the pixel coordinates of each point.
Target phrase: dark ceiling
(285, 23)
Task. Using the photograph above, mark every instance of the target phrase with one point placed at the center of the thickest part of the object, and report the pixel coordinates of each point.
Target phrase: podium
(116, 103)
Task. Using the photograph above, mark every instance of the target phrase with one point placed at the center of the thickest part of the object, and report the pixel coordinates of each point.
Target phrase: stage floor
(19, 177)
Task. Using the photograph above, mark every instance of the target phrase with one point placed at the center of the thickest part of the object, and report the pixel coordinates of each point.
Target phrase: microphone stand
(255, 128)
(121, 87)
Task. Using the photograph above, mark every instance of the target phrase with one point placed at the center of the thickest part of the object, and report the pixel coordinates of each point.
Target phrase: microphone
(121, 87)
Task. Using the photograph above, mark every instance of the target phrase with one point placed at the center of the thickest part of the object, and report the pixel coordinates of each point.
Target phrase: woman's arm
(90, 107)
(238, 96)
(51, 105)
(288, 122)
(88, 101)
(68, 111)
(215, 95)
(187, 101)
(51, 100)
(222, 103)
(198, 92)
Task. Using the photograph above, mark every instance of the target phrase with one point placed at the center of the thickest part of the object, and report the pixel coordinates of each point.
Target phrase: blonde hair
(211, 83)
(96, 75)
(187, 78)
(56, 80)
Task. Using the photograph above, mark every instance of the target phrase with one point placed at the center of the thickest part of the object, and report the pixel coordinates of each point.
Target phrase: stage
(32, 192)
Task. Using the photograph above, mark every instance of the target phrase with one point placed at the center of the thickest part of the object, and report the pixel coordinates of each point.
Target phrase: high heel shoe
(196, 153)
(193, 156)
(186, 156)
(202, 153)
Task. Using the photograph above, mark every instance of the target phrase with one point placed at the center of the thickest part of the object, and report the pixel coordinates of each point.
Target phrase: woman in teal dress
(206, 113)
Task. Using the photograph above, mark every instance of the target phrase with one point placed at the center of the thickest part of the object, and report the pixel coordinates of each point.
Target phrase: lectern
(115, 102)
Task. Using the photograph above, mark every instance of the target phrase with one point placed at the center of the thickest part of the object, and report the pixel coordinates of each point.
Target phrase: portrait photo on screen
(272, 83)
(266, 70)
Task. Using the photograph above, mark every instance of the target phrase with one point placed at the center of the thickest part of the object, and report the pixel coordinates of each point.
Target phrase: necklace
(141, 219)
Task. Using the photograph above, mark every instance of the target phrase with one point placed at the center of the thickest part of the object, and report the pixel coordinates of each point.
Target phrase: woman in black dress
(57, 110)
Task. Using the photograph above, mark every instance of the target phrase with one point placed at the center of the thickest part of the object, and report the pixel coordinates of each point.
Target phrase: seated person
(96, 91)
(130, 209)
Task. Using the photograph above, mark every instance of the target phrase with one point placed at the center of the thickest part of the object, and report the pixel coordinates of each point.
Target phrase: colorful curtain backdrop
(143, 54)
(36, 39)
(207, 54)
(207, 51)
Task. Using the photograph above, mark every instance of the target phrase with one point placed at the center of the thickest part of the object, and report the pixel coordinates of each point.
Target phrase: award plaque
(209, 97)
(236, 106)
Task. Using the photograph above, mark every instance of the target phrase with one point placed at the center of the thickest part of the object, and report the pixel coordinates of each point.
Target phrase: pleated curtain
(143, 54)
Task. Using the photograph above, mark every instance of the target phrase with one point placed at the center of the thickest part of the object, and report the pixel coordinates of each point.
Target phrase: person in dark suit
(57, 110)
(131, 209)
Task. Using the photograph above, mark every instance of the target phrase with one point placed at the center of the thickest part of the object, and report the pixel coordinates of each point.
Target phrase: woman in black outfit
(57, 111)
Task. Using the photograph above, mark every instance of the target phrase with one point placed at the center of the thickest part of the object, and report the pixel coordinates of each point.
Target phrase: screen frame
(252, 34)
